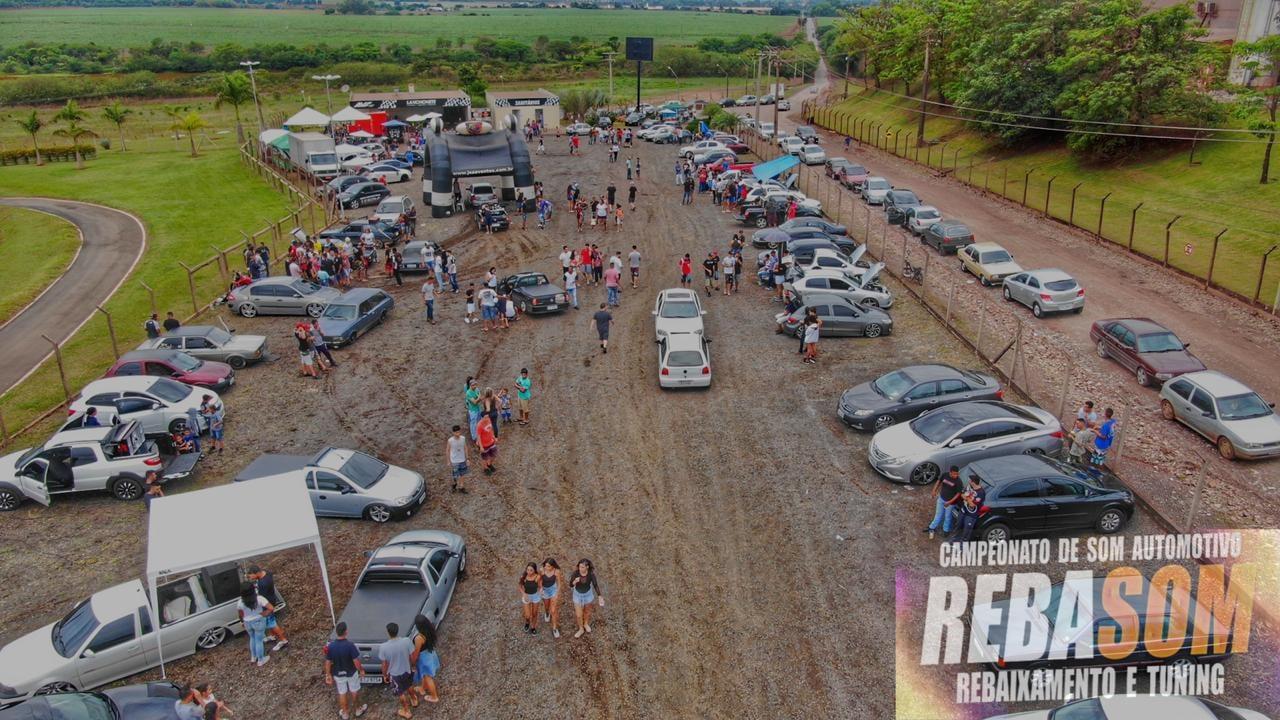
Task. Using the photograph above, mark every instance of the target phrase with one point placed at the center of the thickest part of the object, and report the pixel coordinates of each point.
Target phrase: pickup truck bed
(268, 465)
(371, 608)
(177, 467)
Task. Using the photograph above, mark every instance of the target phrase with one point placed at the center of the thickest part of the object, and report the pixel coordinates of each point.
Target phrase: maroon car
(853, 175)
(175, 365)
(1148, 349)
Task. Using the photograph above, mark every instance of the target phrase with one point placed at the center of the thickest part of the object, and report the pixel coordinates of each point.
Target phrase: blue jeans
(439, 276)
(453, 281)
(431, 310)
(473, 417)
(257, 630)
(613, 295)
(573, 295)
(941, 514)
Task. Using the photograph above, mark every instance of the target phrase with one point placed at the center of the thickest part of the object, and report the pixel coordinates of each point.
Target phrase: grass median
(35, 248)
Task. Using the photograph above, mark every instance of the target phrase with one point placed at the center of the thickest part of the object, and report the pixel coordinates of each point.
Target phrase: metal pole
(951, 297)
(253, 82)
(111, 330)
(1004, 188)
(1133, 222)
(1026, 183)
(191, 285)
(1047, 189)
(152, 292)
(1071, 216)
(982, 324)
(62, 372)
(1262, 271)
(1102, 207)
(1213, 257)
(1195, 499)
(1066, 387)
(1168, 231)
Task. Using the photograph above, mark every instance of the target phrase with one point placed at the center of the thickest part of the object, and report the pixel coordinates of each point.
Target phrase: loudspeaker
(640, 48)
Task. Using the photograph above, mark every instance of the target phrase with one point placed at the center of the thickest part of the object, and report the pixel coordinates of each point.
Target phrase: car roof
(158, 354)
(677, 294)
(936, 371)
(116, 602)
(192, 330)
(1009, 468)
(118, 384)
(925, 207)
(355, 295)
(1143, 707)
(950, 222)
(975, 410)
(985, 246)
(821, 298)
(684, 341)
(1217, 384)
(357, 186)
(1141, 326)
(1050, 274)
(81, 435)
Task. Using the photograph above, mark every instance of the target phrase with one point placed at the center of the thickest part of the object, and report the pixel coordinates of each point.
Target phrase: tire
(1101, 349)
(924, 474)
(1008, 296)
(1143, 378)
(126, 488)
(314, 310)
(462, 564)
(1033, 451)
(237, 362)
(211, 638)
(985, 282)
(762, 222)
(963, 268)
(378, 513)
(873, 330)
(1167, 411)
(10, 499)
(55, 688)
(247, 310)
(883, 421)
(1110, 521)
(996, 532)
(1226, 449)
(1037, 310)
(869, 303)
(176, 425)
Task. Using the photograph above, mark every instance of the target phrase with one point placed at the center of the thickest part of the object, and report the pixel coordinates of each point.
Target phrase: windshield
(364, 470)
(304, 287)
(877, 184)
(938, 427)
(340, 312)
(679, 310)
(70, 632)
(855, 170)
(1242, 407)
(324, 159)
(957, 231)
(812, 149)
(927, 215)
(893, 385)
(81, 706)
(1089, 709)
(186, 362)
(1060, 285)
(390, 206)
(996, 256)
(170, 391)
(1159, 342)
(684, 358)
(219, 336)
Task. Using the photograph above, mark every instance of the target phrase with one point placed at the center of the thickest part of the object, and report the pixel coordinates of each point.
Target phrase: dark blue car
(354, 313)
(148, 701)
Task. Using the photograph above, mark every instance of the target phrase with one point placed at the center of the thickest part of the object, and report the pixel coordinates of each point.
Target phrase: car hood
(1002, 268)
(1174, 362)
(8, 468)
(679, 325)
(901, 441)
(397, 483)
(331, 328)
(872, 273)
(245, 342)
(31, 659)
(1256, 430)
(149, 701)
(862, 397)
(876, 193)
(210, 370)
(324, 295)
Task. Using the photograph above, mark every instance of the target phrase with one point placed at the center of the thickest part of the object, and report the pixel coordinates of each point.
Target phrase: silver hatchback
(1045, 291)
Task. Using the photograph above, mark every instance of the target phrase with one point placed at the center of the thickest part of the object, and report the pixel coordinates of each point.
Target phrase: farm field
(123, 27)
(34, 249)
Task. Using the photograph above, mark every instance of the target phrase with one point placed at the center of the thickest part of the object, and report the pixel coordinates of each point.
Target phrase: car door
(145, 411)
(1121, 345)
(159, 369)
(128, 369)
(841, 321)
(1067, 504)
(920, 398)
(31, 479)
(113, 652)
(333, 496)
(1203, 417)
(200, 347)
(1017, 287)
(289, 300)
(973, 443)
(442, 572)
(265, 298)
(58, 475)
(969, 259)
(1181, 389)
(844, 288)
(1021, 506)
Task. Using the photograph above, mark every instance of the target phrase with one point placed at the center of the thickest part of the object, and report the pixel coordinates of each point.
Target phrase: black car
(145, 701)
(728, 102)
(493, 215)
(845, 243)
(807, 134)
(1031, 494)
(342, 182)
(384, 233)
(903, 394)
(761, 238)
(897, 213)
(758, 215)
(947, 236)
(363, 194)
(534, 294)
(899, 197)
(717, 156)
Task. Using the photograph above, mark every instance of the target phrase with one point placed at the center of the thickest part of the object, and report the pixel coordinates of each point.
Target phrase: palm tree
(234, 89)
(117, 113)
(174, 113)
(189, 123)
(74, 131)
(32, 125)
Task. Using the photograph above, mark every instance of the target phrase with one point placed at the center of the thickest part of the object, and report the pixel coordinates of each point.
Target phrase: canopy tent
(347, 148)
(775, 167)
(281, 143)
(349, 114)
(180, 537)
(362, 134)
(307, 117)
(394, 124)
(423, 117)
(271, 135)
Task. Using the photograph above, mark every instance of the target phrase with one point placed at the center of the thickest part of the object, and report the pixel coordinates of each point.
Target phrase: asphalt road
(112, 243)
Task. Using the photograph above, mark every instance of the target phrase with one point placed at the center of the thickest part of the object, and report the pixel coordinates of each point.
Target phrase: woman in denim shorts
(552, 580)
(586, 590)
(530, 597)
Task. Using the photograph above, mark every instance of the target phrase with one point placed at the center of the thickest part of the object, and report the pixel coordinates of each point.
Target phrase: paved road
(112, 243)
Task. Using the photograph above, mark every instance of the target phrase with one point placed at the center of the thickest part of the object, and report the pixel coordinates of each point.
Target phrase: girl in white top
(811, 341)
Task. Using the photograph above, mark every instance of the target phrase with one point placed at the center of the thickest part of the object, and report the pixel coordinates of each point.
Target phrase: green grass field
(123, 27)
(34, 250)
(1220, 191)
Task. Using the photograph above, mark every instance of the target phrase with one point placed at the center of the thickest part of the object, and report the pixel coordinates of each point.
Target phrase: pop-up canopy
(349, 114)
(307, 117)
(262, 517)
(775, 167)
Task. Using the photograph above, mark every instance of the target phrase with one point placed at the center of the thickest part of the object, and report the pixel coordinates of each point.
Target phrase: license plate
(553, 306)
(370, 679)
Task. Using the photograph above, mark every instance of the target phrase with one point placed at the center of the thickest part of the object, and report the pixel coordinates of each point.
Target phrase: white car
(354, 160)
(375, 150)
(578, 129)
(159, 405)
(791, 145)
(874, 189)
(700, 147)
(659, 133)
(828, 259)
(390, 209)
(746, 100)
(676, 311)
(863, 289)
(784, 105)
(1121, 707)
(812, 155)
(920, 217)
(684, 360)
(385, 174)
(766, 130)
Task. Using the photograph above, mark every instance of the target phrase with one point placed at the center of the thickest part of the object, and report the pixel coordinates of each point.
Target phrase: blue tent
(775, 167)
(394, 124)
(668, 114)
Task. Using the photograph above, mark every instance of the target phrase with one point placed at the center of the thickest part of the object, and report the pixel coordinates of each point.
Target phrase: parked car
(834, 166)
(414, 259)
(112, 458)
(534, 294)
(727, 102)
(831, 259)
(921, 218)
(947, 236)
(845, 243)
(386, 173)
(765, 130)
(959, 434)
(898, 214)
(281, 295)
(661, 134)
(840, 317)
(903, 394)
(480, 194)
(899, 199)
(345, 483)
(684, 360)
(766, 100)
(791, 145)
(874, 190)
(747, 100)
(1122, 707)
(145, 701)
(578, 129)
(1226, 412)
(493, 215)
(784, 104)
(761, 238)
(207, 342)
(411, 158)
(342, 182)
(807, 134)
(113, 634)
(803, 252)
(702, 146)
(675, 311)
(176, 366)
(415, 573)
(813, 155)
(389, 210)
(757, 215)
(864, 290)
(1044, 291)
(352, 314)
(159, 405)
(1145, 347)
(854, 176)
(988, 262)
(384, 232)
(363, 194)
(634, 118)
(716, 156)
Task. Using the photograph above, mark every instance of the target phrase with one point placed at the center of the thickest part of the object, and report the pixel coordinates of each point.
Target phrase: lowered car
(947, 236)
(208, 342)
(363, 194)
(159, 405)
(344, 483)
(920, 218)
(916, 452)
(840, 317)
(988, 262)
(675, 311)
(385, 232)
(481, 194)
(684, 360)
(853, 176)
(851, 265)
(1045, 291)
(774, 236)
(175, 365)
(715, 155)
(833, 167)
(746, 100)
(534, 294)
(1145, 347)
(416, 254)
(1226, 412)
(352, 314)
(757, 215)
(791, 145)
(385, 173)
(393, 207)
(807, 134)
(688, 151)
(281, 295)
(1122, 707)
(864, 290)
(896, 201)
(874, 190)
(784, 104)
(342, 182)
(145, 701)
(905, 393)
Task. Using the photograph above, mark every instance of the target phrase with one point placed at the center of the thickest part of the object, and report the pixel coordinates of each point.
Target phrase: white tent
(270, 135)
(307, 117)
(349, 114)
(416, 118)
(180, 537)
(362, 134)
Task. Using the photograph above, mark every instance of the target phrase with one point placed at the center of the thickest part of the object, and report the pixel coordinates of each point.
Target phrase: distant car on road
(903, 394)
(384, 232)
(702, 146)
(208, 342)
(807, 134)
(834, 166)
(342, 182)
(175, 365)
(344, 483)
(412, 254)
(1045, 291)
(352, 314)
(1226, 412)
(727, 102)
(791, 145)
(385, 173)
(854, 175)
(534, 294)
(389, 210)
(281, 295)
(784, 104)
(492, 215)
(988, 262)
(747, 100)
(840, 317)
(813, 155)
(761, 239)
(1145, 347)
(947, 236)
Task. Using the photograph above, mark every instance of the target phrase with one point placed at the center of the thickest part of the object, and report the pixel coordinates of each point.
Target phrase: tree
(355, 7)
(471, 82)
(116, 113)
(235, 90)
(190, 124)
(31, 125)
(74, 131)
(1262, 58)
(174, 113)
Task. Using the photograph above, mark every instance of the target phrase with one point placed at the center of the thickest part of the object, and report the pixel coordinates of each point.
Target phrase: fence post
(1213, 258)
(1102, 208)
(928, 157)
(191, 285)
(1026, 183)
(1004, 189)
(1195, 499)
(62, 371)
(1066, 387)
(111, 330)
(1071, 216)
(4, 432)
(969, 178)
(1133, 221)
(1168, 231)
(222, 261)
(982, 324)
(942, 157)
(1262, 271)
(1047, 189)
(152, 292)
(951, 297)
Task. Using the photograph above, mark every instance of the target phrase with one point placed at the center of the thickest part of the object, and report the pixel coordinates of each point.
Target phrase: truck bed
(268, 465)
(371, 608)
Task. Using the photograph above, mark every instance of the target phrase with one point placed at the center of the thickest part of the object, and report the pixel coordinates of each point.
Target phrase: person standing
(170, 322)
(1106, 437)
(586, 590)
(811, 331)
(456, 451)
(612, 278)
(631, 191)
(633, 261)
(628, 168)
(395, 260)
(566, 258)
(611, 192)
(253, 610)
(552, 581)
(306, 353)
(487, 439)
(728, 267)
(429, 294)
(1080, 439)
(530, 597)
(470, 299)
(602, 216)
(1088, 414)
(152, 326)
(265, 584)
(970, 506)
(524, 387)
(571, 285)
(425, 661)
(473, 405)
(709, 268)
(488, 308)
(944, 496)
(451, 267)
(603, 320)
(397, 671)
(686, 271)
(321, 347)
(342, 669)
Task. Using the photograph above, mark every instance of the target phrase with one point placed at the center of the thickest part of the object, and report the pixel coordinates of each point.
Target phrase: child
(504, 404)
(471, 304)
(617, 215)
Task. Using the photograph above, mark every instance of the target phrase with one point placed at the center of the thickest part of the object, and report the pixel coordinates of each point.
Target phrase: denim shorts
(550, 592)
(459, 469)
(489, 312)
(215, 434)
(533, 599)
(585, 598)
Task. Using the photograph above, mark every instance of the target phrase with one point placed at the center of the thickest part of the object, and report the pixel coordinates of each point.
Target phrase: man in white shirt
(566, 258)
(488, 307)
(456, 447)
(571, 285)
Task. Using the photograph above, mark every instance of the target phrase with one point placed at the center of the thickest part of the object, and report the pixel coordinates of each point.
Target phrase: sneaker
(546, 617)
(555, 632)
(930, 534)
(263, 661)
(362, 710)
(578, 634)
(588, 628)
(533, 631)
(927, 529)
(526, 627)
(279, 645)
(343, 715)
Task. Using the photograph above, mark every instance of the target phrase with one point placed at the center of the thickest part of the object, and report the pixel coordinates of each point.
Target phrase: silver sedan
(1045, 291)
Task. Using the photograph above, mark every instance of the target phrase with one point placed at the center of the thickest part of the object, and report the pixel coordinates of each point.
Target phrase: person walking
(612, 278)
(264, 582)
(812, 330)
(552, 581)
(686, 271)
(530, 584)
(524, 387)
(728, 267)
(397, 670)
(603, 320)
(424, 659)
(633, 262)
(487, 439)
(321, 347)
(631, 193)
(709, 268)
(451, 267)
(455, 449)
(628, 168)
(429, 295)
(253, 610)
(586, 590)
(342, 669)
(396, 260)
(944, 495)
(571, 285)
(566, 258)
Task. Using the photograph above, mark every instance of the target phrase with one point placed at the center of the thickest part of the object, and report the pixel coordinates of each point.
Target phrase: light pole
(253, 82)
(328, 102)
(726, 79)
(609, 56)
(679, 95)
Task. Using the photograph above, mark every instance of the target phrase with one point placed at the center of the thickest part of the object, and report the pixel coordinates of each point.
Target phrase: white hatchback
(676, 311)
(813, 155)
(684, 360)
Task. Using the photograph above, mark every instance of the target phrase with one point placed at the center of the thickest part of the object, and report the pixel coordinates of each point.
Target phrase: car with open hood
(864, 289)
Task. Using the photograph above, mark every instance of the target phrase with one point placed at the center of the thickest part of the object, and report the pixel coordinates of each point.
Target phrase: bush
(25, 156)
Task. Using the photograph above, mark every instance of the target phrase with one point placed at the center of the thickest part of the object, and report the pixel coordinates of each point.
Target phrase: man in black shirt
(612, 192)
(945, 492)
(265, 583)
(342, 668)
(709, 267)
(171, 323)
(603, 319)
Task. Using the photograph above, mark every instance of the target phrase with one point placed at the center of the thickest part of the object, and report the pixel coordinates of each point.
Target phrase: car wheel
(924, 474)
(378, 513)
(55, 688)
(1166, 410)
(1037, 310)
(126, 488)
(211, 638)
(1007, 295)
(314, 310)
(1183, 661)
(9, 500)
(1110, 521)
(247, 310)
(1226, 449)
(1143, 378)
(1102, 350)
(884, 421)
(236, 362)
(996, 533)
(762, 222)
(963, 268)
(177, 425)
(462, 564)
(873, 330)
(985, 282)
(869, 302)
(1033, 451)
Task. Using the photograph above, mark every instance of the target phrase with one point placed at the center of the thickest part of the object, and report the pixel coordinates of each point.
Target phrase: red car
(1148, 349)
(177, 366)
(853, 176)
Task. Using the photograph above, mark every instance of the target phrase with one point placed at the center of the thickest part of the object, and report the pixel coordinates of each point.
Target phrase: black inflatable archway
(500, 152)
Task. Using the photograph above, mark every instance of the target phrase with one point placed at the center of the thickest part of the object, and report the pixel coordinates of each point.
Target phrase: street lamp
(679, 95)
(328, 102)
(726, 79)
(253, 82)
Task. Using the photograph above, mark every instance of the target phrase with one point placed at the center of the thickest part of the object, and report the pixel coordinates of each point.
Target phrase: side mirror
(88, 653)
(654, 313)
(368, 553)
(1186, 345)
(702, 312)
(955, 443)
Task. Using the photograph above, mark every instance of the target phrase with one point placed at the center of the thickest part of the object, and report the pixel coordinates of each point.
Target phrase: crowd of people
(540, 595)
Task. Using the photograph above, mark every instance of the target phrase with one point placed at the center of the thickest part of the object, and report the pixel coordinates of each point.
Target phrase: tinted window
(1060, 285)
(1032, 282)
(1243, 407)
(82, 456)
(72, 630)
(1181, 388)
(329, 482)
(1202, 402)
(838, 284)
(197, 343)
(844, 311)
(131, 368)
(1021, 490)
(102, 399)
(263, 291)
(946, 387)
(981, 431)
(340, 312)
(170, 391)
(112, 634)
(132, 405)
(436, 565)
(684, 358)
(171, 343)
(1158, 342)
(936, 427)
(923, 390)
(996, 256)
(1062, 487)
(1002, 428)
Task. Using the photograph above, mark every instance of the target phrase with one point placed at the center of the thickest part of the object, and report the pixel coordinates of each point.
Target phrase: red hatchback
(1148, 349)
(175, 365)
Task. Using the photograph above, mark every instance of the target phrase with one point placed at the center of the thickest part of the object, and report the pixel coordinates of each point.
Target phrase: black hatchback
(907, 392)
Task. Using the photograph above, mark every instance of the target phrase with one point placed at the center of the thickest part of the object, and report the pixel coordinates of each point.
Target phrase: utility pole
(755, 109)
(846, 76)
(777, 73)
(609, 56)
(262, 124)
(924, 91)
